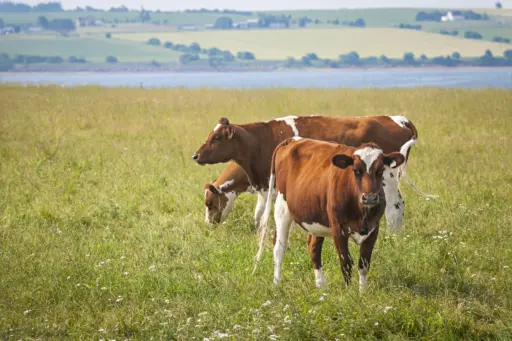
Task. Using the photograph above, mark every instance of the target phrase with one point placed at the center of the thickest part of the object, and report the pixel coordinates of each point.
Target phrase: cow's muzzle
(370, 199)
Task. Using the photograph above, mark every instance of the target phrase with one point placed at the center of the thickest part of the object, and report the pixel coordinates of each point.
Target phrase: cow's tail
(405, 150)
(263, 228)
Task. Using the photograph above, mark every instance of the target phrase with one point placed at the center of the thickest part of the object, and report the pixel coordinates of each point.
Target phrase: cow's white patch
(317, 230)
(394, 203)
(363, 279)
(260, 207)
(290, 120)
(400, 120)
(296, 138)
(283, 222)
(359, 239)
(231, 196)
(226, 184)
(217, 127)
(206, 213)
(319, 278)
(368, 155)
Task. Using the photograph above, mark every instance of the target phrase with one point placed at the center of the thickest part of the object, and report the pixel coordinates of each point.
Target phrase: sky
(258, 5)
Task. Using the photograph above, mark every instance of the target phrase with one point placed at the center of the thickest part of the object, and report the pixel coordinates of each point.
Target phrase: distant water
(388, 78)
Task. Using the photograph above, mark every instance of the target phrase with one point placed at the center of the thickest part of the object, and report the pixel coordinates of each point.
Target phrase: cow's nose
(195, 156)
(370, 198)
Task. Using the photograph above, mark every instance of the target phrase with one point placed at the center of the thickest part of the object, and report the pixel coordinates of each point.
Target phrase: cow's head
(217, 204)
(368, 162)
(219, 146)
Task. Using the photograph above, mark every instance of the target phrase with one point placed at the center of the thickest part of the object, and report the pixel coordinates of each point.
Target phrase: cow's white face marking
(319, 278)
(296, 138)
(359, 239)
(290, 120)
(400, 120)
(206, 215)
(226, 184)
(368, 155)
(317, 230)
(217, 127)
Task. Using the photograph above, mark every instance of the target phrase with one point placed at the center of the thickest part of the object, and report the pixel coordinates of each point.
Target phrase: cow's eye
(358, 172)
(208, 203)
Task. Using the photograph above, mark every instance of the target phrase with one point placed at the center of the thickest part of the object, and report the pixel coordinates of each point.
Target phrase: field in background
(94, 49)
(328, 43)
(102, 233)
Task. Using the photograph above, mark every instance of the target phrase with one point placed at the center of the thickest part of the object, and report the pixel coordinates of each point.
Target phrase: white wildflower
(237, 326)
(493, 279)
(506, 267)
(255, 330)
(119, 299)
(386, 309)
(26, 312)
(152, 268)
(203, 313)
(123, 257)
(126, 273)
(376, 323)
(167, 301)
(267, 303)
(274, 337)
(59, 232)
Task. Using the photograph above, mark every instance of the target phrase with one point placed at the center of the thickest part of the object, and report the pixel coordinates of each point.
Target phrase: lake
(388, 78)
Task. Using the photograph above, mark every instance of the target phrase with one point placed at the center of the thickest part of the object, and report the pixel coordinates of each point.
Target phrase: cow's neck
(249, 154)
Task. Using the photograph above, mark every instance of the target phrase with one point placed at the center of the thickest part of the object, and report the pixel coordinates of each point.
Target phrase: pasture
(94, 49)
(102, 232)
(328, 42)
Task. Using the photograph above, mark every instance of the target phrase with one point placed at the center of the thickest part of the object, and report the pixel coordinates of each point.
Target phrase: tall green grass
(102, 233)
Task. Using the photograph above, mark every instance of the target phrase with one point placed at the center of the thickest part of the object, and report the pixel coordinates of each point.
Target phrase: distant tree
(195, 48)
(228, 56)
(154, 41)
(6, 63)
(422, 16)
(455, 33)
(144, 16)
(336, 22)
(290, 62)
(42, 22)
(1, 23)
(75, 60)
(155, 63)
(111, 60)
(499, 5)
(501, 40)
(48, 7)
(62, 25)
(108, 35)
(168, 45)
(508, 55)
(359, 23)
(188, 58)
(305, 61)
(317, 21)
(472, 35)
(384, 59)
(303, 21)
(54, 60)
(456, 55)
(352, 58)
(224, 23)
(487, 59)
(409, 58)
(245, 56)
(423, 57)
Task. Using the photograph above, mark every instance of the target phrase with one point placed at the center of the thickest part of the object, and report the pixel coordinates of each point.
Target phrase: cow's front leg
(283, 222)
(365, 258)
(315, 253)
(341, 243)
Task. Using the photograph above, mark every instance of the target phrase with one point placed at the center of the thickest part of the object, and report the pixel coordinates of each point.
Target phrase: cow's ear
(342, 161)
(214, 189)
(224, 121)
(394, 160)
(230, 132)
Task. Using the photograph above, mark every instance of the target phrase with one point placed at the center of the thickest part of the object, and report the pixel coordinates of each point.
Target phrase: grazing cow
(251, 147)
(330, 190)
(220, 196)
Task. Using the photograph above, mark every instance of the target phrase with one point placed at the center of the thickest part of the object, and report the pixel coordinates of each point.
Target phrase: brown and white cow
(330, 190)
(220, 196)
(251, 146)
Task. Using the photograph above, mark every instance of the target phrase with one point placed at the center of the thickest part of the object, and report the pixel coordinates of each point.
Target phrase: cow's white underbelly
(317, 230)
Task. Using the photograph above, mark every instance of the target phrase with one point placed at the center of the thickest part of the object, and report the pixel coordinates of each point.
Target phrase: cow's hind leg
(365, 258)
(395, 205)
(260, 208)
(283, 222)
(315, 253)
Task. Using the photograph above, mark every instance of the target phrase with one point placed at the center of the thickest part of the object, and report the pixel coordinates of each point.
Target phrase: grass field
(329, 43)
(93, 49)
(102, 233)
